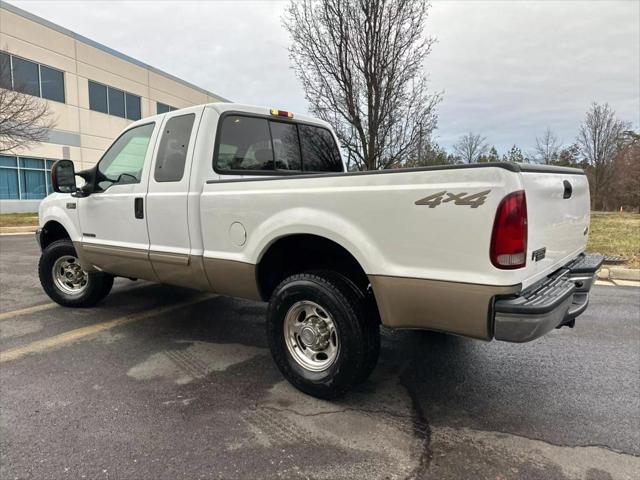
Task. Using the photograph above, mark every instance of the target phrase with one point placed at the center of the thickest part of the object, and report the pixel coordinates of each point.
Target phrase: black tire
(369, 315)
(97, 287)
(357, 331)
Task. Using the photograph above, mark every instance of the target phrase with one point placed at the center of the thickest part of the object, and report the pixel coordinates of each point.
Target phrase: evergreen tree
(515, 155)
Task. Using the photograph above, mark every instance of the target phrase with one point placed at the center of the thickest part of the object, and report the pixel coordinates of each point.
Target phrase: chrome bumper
(551, 303)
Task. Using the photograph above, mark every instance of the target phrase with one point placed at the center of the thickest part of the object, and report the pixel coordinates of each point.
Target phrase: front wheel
(320, 334)
(64, 280)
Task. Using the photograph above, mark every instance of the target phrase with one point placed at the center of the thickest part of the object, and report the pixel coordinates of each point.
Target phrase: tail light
(509, 237)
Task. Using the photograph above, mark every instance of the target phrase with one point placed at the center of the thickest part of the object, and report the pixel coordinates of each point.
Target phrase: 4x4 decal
(474, 200)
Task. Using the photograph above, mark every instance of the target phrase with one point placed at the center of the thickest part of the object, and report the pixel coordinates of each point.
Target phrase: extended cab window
(172, 153)
(124, 160)
(256, 144)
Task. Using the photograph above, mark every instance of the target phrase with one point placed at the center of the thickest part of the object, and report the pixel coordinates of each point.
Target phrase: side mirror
(63, 177)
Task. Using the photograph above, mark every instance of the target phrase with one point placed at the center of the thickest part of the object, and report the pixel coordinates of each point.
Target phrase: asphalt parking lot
(159, 382)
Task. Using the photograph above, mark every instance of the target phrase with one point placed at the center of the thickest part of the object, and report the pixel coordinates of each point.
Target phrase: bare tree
(24, 119)
(600, 139)
(361, 66)
(471, 147)
(626, 180)
(547, 147)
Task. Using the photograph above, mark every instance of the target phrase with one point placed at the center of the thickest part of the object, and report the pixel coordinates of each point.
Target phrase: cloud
(508, 69)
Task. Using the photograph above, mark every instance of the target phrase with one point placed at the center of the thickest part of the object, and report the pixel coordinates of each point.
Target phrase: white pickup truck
(255, 203)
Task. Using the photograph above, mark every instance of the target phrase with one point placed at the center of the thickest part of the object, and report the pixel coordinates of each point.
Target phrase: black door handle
(568, 189)
(138, 207)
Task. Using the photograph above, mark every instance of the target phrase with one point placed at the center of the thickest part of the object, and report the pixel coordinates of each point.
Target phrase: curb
(619, 273)
(18, 230)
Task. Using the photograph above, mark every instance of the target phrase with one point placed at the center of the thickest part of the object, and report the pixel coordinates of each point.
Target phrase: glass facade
(25, 178)
(31, 78)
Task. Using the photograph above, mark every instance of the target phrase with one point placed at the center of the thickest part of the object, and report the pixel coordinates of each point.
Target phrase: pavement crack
(334, 412)
(550, 443)
(421, 427)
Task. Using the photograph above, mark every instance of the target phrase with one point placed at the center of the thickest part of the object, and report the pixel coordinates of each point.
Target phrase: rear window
(319, 150)
(286, 148)
(256, 144)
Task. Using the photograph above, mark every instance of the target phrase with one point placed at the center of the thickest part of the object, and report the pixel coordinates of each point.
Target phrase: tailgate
(558, 219)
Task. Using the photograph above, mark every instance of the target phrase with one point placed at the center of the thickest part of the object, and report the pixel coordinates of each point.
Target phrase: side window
(123, 162)
(286, 147)
(172, 153)
(244, 144)
(319, 150)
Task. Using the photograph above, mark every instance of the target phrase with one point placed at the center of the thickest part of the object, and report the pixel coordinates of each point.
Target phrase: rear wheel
(64, 280)
(320, 333)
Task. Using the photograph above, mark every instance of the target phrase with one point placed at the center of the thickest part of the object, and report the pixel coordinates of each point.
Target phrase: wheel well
(298, 253)
(51, 232)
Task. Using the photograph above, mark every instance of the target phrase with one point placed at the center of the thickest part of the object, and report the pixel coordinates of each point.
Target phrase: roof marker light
(281, 113)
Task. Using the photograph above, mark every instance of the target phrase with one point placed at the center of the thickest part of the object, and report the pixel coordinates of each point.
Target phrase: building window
(163, 108)
(31, 78)
(98, 97)
(24, 178)
(133, 107)
(5, 71)
(52, 84)
(116, 102)
(113, 101)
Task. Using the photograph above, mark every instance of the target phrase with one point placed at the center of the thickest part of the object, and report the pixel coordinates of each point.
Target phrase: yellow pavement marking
(47, 306)
(25, 311)
(79, 333)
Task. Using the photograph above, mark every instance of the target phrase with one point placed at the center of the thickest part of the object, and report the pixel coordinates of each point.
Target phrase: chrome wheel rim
(68, 275)
(311, 336)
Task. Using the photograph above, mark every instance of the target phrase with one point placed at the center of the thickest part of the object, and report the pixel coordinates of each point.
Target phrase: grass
(18, 219)
(615, 234)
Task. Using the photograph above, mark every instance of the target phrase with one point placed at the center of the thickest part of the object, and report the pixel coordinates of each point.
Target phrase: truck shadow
(451, 378)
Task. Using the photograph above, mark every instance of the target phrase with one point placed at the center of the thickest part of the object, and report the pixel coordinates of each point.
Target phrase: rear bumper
(551, 303)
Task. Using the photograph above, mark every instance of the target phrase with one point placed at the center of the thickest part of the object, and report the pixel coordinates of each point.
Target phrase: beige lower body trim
(226, 277)
(122, 261)
(182, 270)
(235, 279)
(452, 307)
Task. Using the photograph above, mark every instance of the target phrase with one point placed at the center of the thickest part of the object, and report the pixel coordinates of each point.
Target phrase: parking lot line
(47, 306)
(79, 333)
(25, 311)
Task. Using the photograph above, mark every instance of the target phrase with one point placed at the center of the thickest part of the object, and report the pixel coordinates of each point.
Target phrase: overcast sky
(508, 69)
